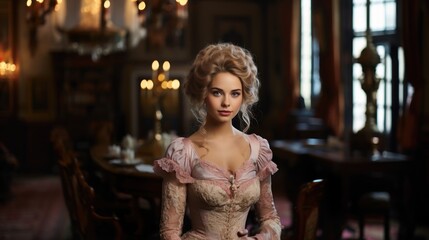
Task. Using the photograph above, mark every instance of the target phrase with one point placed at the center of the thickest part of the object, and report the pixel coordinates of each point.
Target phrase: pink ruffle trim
(166, 165)
(269, 169)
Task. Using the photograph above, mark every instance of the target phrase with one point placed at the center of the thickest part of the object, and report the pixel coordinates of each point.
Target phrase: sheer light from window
(306, 52)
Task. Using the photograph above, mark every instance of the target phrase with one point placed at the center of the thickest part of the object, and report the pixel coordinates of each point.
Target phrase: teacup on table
(128, 155)
(114, 151)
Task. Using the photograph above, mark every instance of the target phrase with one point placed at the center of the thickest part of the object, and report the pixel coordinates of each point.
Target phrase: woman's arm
(270, 227)
(172, 209)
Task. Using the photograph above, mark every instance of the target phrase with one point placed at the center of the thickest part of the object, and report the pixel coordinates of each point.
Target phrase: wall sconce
(37, 10)
(156, 88)
(7, 69)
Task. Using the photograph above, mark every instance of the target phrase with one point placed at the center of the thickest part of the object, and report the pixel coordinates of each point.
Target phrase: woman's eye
(216, 93)
(236, 94)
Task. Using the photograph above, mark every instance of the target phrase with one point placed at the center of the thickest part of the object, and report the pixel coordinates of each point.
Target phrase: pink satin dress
(216, 201)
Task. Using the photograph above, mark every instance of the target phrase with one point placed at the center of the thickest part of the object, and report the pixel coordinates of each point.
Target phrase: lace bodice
(217, 202)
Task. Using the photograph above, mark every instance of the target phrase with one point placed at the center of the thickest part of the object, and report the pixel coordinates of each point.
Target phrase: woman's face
(224, 97)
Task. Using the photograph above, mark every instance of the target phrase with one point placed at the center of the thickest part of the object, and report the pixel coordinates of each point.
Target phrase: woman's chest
(221, 195)
(230, 155)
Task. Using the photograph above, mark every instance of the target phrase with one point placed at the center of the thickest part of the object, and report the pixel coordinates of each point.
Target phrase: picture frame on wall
(40, 104)
(233, 29)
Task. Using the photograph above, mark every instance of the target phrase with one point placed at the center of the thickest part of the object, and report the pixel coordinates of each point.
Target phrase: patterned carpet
(35, 211)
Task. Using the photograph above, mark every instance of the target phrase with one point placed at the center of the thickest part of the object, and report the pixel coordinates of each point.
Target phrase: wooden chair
(79, 196)
(374, 204)
(92, 225)
(306, 211)
(63, 148)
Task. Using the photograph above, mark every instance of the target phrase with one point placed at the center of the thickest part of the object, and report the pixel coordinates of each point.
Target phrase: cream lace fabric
(216, 201)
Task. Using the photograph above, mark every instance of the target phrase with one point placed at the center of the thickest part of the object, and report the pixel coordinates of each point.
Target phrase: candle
(166, 69)
(155, 67)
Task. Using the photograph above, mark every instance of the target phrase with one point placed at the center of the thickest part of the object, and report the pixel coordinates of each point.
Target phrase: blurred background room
(91, 93)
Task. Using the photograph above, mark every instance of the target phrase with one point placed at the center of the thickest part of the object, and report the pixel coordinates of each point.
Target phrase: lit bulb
(161, 77)
(106, 4)
(141, 6)
(143, 84)
(175, 84)
(149, 85)
(182, 2)
(170, 84)
(166, 66)
(164, 85)
(155, 65)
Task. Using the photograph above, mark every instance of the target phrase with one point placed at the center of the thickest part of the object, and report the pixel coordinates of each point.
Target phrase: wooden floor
(38, 200)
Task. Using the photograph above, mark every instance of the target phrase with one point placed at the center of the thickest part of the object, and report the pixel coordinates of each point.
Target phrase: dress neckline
(226, 172)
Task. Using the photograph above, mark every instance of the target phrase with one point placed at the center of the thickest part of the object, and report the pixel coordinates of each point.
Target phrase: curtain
(330, 106)
(412, 38)
(290, 20)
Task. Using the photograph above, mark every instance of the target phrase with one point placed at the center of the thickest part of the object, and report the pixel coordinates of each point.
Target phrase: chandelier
(96, 33)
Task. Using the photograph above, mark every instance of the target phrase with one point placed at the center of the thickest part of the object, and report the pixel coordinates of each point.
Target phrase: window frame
(391, 41)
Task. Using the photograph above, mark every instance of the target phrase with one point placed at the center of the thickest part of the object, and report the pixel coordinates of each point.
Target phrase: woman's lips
(224, 113)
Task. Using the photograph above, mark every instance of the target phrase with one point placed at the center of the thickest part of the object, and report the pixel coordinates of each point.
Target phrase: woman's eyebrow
(220, 89)
(216, 88)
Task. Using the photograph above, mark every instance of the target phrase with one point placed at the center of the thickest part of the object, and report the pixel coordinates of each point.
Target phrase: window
(392, 91)
(309, 65)
(306, 85)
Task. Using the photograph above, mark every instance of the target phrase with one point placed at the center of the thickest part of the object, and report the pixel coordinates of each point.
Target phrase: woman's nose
(225, 102)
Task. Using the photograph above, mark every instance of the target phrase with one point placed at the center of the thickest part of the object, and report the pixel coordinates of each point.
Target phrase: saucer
(127, 163)
(145, 168)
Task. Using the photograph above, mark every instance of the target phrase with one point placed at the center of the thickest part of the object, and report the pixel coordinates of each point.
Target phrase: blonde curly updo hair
(217, 58)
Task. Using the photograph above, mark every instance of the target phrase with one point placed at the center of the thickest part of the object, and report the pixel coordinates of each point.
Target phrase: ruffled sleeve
(264, 164)
(175, 168)
(270, 226)
(177, 161)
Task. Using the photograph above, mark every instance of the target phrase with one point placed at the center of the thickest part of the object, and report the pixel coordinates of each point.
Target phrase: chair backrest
(63, 147)
(307, 210)
(93, 225)
(61, 141)
(79, 196)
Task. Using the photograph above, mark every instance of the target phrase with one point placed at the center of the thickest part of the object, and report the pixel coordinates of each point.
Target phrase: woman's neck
(219, 130)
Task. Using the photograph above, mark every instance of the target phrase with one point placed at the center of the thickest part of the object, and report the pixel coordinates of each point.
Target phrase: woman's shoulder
(177, 159)
(255, 138)
(179, 145)
(265, 165)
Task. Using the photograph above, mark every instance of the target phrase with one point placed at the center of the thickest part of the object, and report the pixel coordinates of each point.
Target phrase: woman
(219, 172)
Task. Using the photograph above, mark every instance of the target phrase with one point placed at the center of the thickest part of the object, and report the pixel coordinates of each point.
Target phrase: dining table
(134, 177)
(345, 172)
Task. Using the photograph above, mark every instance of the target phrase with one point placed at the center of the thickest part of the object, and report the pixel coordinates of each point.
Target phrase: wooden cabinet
(87, 91)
